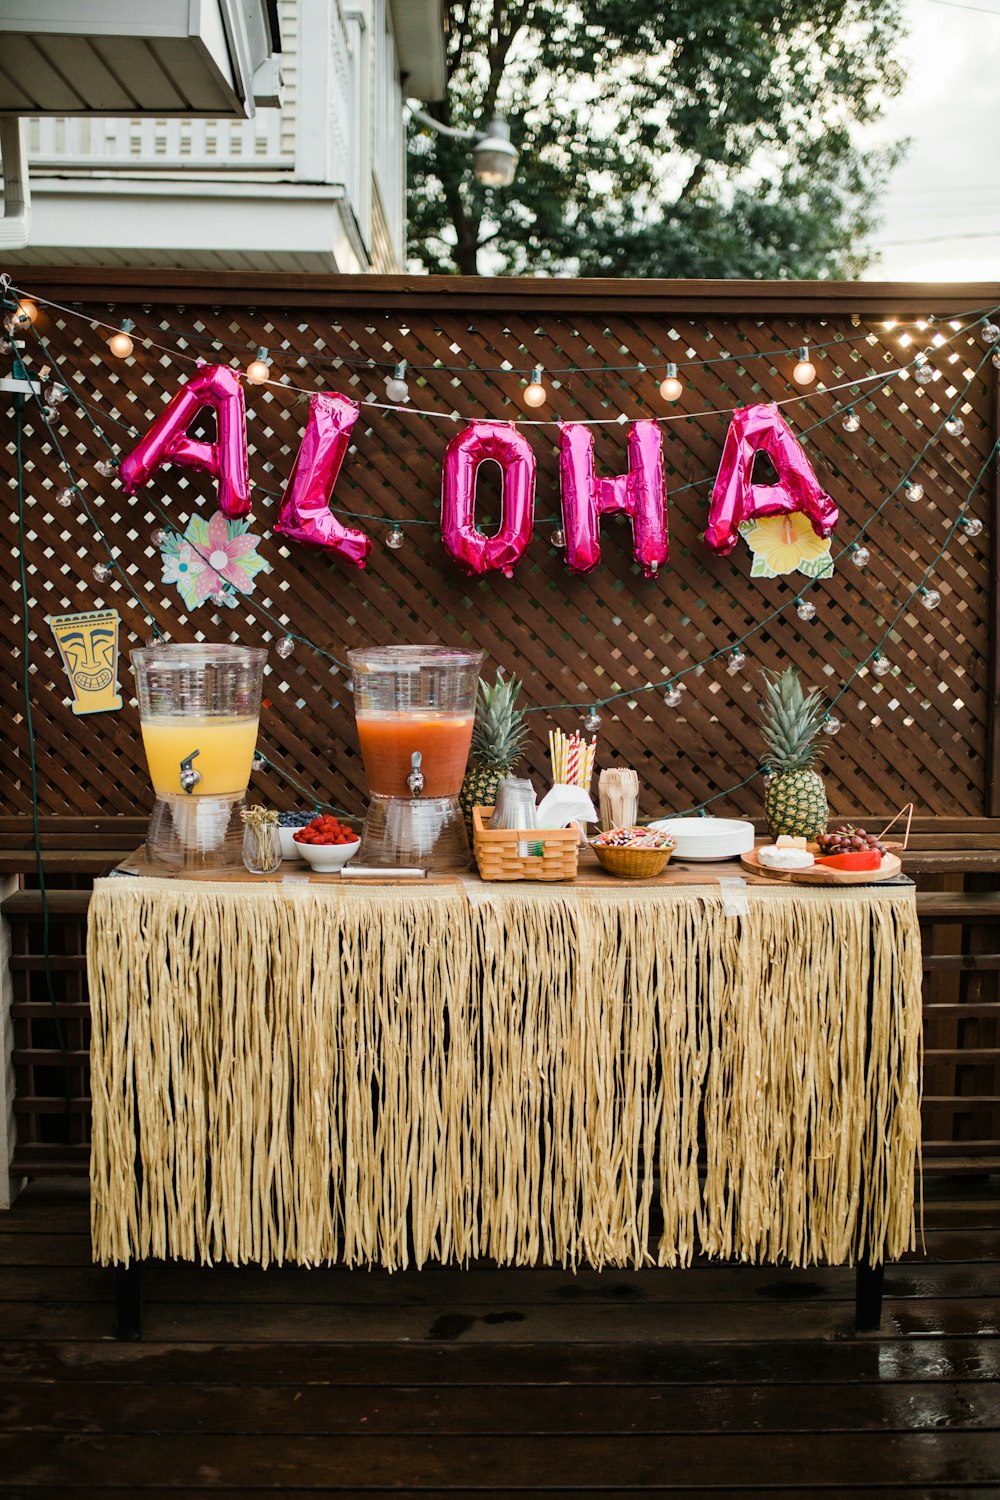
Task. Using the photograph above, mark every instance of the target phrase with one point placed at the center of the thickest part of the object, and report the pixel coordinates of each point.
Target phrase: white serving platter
(707, 838)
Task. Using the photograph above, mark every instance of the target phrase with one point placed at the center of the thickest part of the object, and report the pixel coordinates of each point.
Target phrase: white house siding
(317, 185)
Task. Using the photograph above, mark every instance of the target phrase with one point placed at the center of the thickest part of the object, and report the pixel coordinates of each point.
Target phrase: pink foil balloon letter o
(472, 549)
(640, 494)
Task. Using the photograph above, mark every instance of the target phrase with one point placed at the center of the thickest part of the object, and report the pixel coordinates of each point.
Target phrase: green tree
(698, 138)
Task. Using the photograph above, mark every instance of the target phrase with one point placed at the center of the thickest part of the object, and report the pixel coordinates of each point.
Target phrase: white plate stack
(707, 838)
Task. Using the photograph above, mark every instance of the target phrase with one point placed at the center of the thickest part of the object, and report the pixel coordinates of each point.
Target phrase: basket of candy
(633, 853)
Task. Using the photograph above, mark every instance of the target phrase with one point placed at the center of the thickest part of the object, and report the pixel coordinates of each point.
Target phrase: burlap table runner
(397, 1075)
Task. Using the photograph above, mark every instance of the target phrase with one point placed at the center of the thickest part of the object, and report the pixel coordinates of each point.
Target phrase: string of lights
(950, 422)
(534, 395)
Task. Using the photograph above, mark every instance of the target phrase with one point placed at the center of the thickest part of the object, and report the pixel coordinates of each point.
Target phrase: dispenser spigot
(415, 780)
(189, 776)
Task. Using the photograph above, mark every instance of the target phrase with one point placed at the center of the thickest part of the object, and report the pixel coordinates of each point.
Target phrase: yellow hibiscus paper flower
(782, 544)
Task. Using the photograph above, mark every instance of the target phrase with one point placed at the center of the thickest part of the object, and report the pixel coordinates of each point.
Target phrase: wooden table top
(591, 874)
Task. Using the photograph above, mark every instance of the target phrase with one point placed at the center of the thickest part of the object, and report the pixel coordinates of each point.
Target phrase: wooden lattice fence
(924, 732)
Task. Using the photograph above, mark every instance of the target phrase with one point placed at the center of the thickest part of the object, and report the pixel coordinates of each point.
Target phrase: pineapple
(498, 737)
(795, 797)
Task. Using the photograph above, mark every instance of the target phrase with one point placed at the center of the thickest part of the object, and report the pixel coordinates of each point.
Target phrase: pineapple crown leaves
(500, 727)
(791, 722)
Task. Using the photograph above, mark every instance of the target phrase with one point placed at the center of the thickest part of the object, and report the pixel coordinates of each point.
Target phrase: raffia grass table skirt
(315, 1073)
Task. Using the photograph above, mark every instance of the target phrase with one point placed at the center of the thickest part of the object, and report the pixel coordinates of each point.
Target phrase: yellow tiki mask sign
(88, 645)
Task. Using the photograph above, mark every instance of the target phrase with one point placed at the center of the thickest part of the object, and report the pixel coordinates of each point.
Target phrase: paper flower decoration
(213, 561)
(784, 544)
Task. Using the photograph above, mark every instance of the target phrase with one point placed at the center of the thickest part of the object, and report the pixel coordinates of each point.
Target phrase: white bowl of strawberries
(326, 843)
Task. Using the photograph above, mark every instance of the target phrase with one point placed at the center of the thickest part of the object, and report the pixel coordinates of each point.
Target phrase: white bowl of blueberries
(289, 824)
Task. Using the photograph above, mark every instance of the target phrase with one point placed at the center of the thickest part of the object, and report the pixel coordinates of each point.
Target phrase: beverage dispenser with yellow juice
(199, 707)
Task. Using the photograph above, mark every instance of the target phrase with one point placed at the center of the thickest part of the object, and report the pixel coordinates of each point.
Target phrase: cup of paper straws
(572, 758)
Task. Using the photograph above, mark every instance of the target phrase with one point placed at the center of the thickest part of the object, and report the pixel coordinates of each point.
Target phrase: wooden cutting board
(825, 874)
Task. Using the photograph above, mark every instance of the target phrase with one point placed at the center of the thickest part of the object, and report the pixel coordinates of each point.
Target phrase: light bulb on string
(119, 343)
(559, 537)
(259, 369)
(923, 370)
(49, 414)
(971, 525)
(592, 722)
(989, 333)
(396, 388)
(831, 725)
(55, 394)
(66, 497)
(805, 609)
(672, 696)
(954, 426)
(25, 311)
(929, 598)
(159, 536)
(913, 491)
(737, 660)
(851, 421)
(804, 372)
(995, 359)
(860, 556)
(285, 647)
(535, 393)
(671, 388)
(107, 467)
(881, 665)
(103, 572)
(395, 538)
(259, 762)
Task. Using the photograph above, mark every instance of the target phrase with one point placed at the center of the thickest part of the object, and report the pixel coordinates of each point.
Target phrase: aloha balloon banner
(305, 515)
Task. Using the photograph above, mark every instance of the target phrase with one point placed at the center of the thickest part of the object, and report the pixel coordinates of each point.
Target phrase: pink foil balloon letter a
(305, 514)
(640, 494)
(472, 549)
(735, 499)
(167, 441)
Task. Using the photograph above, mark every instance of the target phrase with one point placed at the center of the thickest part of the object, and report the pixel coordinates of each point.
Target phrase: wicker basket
(632, 864)
(497, 856)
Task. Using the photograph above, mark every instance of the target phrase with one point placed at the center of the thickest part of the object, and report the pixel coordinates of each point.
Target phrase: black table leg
(128, 1300)
(868, 1295)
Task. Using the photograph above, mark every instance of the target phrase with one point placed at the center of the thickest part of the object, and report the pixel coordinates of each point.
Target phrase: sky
(942, 210)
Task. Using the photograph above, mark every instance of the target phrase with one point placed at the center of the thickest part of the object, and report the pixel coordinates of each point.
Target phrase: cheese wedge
(789, 841)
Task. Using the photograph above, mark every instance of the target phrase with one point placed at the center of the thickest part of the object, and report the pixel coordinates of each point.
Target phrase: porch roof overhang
(130, 57)
(419, 30)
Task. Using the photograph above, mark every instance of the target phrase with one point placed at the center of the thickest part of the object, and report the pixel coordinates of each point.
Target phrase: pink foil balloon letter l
(305, 515)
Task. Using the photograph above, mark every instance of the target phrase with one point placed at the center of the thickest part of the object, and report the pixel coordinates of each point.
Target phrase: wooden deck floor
(721, 1380)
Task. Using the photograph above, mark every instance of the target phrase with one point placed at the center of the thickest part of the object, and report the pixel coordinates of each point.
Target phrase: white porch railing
(167, 145)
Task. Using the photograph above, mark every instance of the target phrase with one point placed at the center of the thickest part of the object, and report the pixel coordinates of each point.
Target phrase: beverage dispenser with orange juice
(415, 707)
(199, 707)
